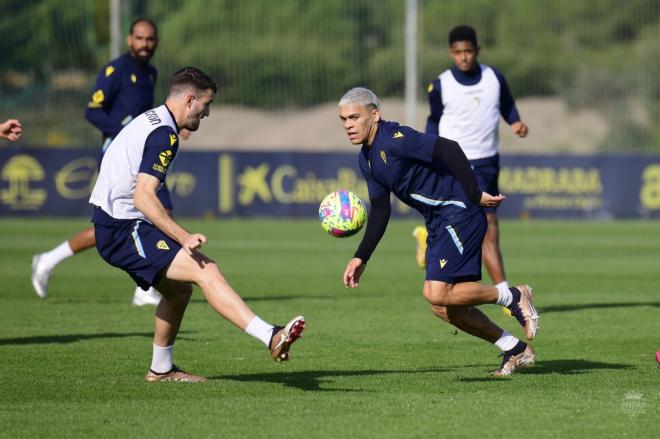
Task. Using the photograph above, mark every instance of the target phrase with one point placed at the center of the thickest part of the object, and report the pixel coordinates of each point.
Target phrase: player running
(466, 103)
(124, 89)
(432, 175)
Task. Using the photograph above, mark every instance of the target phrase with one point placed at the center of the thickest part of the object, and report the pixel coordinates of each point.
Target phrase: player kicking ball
(134, 231)
(432, 175)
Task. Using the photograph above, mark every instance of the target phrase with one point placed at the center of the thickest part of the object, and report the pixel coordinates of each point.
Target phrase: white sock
(506, 341)
(161, 361)
(57, 255)
(504, 294)
(261, 330)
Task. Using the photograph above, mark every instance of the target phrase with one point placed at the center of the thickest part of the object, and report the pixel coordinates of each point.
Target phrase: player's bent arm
(148, 203)
(101, 101)
(379, 216)
(450, 152)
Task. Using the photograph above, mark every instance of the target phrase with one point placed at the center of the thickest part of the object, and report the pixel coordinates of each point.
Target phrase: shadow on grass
(571, 367)
(71, 338)
(579, 307)
(311, 380)
(274, 298)
(560, 367)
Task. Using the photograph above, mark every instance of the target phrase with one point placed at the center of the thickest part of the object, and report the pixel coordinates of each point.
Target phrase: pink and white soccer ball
(342, 213)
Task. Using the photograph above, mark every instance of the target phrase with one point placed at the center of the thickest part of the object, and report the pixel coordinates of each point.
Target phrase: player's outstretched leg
(204, 272)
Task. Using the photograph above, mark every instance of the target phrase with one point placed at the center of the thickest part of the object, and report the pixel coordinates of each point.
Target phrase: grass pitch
(374, 361)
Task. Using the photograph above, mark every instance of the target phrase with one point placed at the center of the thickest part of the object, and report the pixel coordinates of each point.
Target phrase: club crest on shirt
(109, 70)
(162, 245)
(165, 157)
(97, 99)
(397, 135)
(383, 157)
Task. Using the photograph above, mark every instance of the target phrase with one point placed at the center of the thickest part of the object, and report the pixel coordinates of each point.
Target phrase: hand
(520, 128)
(354, 270)
(488, 200)
(11, 129)
(193, 242)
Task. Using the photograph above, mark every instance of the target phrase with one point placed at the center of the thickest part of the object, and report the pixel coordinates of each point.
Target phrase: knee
(436, 295)
(208, 275)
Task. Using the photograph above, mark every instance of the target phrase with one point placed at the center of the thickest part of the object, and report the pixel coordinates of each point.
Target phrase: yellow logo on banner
(19, 172)
(253, 183)
(76, 179)
(650, 192)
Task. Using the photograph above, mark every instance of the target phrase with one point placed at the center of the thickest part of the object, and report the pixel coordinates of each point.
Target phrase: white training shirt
(114, 190)
(471, 113)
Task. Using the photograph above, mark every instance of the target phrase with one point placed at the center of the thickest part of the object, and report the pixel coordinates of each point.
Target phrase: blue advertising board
(40, 182)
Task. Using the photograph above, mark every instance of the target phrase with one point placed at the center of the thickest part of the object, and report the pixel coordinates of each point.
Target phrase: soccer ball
(342, 213)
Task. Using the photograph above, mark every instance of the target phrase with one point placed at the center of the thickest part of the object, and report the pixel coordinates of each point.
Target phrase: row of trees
(270, 54)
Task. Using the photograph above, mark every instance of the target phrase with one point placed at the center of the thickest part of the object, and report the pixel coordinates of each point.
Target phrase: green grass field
(374, 361)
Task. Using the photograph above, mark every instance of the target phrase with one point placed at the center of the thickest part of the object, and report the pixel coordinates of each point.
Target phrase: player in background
(432, 175)
(134, 231)
(466, 103)
(124, 89)
(11, 129)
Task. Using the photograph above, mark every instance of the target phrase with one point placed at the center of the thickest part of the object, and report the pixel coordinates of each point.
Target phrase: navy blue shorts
(135, 246)
(453, 253)
(487, 171)
(162, 193)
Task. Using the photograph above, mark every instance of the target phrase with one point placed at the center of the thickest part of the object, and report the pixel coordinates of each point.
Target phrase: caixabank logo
(262, 182)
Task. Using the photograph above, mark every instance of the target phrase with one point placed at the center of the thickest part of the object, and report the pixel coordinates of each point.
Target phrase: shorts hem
(454, 279)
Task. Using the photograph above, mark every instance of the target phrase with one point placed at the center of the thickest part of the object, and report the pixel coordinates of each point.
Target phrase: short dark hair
(191, 77)
(463, 33)
(142, 20)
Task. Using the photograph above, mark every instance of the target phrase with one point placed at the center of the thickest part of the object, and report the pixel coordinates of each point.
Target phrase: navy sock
(515, 293)
(517, 349)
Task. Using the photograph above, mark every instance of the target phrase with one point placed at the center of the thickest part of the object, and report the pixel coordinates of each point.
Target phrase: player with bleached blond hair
(432, 175)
